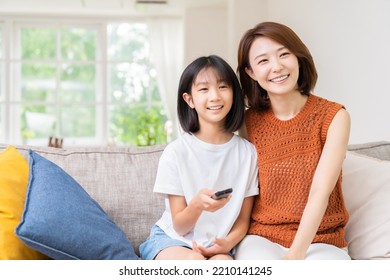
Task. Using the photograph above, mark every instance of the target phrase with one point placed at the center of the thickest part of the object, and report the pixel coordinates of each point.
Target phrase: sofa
(98, 202)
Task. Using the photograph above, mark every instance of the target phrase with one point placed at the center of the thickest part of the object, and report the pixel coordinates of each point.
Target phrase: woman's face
(273, 66)
(211, 97)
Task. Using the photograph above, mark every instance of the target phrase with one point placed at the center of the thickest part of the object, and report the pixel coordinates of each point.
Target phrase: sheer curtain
(167, 50)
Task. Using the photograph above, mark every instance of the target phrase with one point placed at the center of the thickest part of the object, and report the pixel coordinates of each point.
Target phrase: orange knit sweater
(288, 153)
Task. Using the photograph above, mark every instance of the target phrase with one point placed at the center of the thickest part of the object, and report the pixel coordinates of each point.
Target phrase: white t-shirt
(188, 165)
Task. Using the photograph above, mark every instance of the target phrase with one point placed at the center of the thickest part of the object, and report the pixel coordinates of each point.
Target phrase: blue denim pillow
(63, 221)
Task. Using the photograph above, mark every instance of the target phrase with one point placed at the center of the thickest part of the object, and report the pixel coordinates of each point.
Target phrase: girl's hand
(219, 246)
(185, 216)
(204, 202)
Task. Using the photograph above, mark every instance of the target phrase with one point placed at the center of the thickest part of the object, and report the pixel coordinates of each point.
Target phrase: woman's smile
(279, 79)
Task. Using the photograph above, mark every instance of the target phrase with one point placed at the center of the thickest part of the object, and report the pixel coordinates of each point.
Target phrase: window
(132, 86)
(91, 83)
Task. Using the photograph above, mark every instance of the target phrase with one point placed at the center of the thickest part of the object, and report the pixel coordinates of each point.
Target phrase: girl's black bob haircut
(188, 117)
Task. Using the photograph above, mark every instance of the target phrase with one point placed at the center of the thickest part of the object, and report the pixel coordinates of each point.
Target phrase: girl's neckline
(211, 146)
(216, 138)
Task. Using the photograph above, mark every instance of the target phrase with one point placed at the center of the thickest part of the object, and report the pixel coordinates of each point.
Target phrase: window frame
(12, 84)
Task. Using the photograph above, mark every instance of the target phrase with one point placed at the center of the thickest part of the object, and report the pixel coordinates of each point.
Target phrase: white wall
(218, 30)
(205, 32)
(243, 15)
(349, 40)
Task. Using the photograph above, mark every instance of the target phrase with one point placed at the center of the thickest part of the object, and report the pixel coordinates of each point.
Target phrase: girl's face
(211, 97)
(273, 66)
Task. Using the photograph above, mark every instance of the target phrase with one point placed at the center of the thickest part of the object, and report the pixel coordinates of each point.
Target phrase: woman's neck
(286, 107)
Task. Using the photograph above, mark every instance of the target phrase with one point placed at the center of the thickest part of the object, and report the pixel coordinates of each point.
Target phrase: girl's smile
(215, 107)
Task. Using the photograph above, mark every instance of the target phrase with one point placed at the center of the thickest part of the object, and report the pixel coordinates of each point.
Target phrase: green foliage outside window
(137, 126)
(61, 79)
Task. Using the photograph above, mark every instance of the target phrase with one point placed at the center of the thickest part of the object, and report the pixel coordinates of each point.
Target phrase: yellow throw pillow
(13, 185)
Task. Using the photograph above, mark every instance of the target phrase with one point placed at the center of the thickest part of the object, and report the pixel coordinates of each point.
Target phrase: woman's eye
(284, 54)
(262, 61)
(203, 89)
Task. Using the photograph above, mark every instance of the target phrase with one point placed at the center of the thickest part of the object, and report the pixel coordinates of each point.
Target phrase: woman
(301, 141)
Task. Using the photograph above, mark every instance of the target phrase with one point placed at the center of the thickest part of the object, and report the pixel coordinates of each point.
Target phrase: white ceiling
(121, 7)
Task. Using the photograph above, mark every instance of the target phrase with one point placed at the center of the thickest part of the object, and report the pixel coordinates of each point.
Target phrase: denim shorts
(156, 242)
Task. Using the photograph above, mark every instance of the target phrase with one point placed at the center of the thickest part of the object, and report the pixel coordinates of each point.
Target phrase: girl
(207, 158)
(301, 141)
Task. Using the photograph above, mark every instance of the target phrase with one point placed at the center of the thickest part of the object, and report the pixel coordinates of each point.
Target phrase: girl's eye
(262, 61)
(223, 86)
(203, 89)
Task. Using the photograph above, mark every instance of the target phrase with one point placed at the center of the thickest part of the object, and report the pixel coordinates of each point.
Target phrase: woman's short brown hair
(255, 95)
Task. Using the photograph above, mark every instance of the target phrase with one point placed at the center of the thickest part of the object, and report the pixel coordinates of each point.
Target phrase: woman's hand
(291, 256)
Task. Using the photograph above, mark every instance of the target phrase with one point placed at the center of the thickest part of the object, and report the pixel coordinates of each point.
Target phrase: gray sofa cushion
(380, 150)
